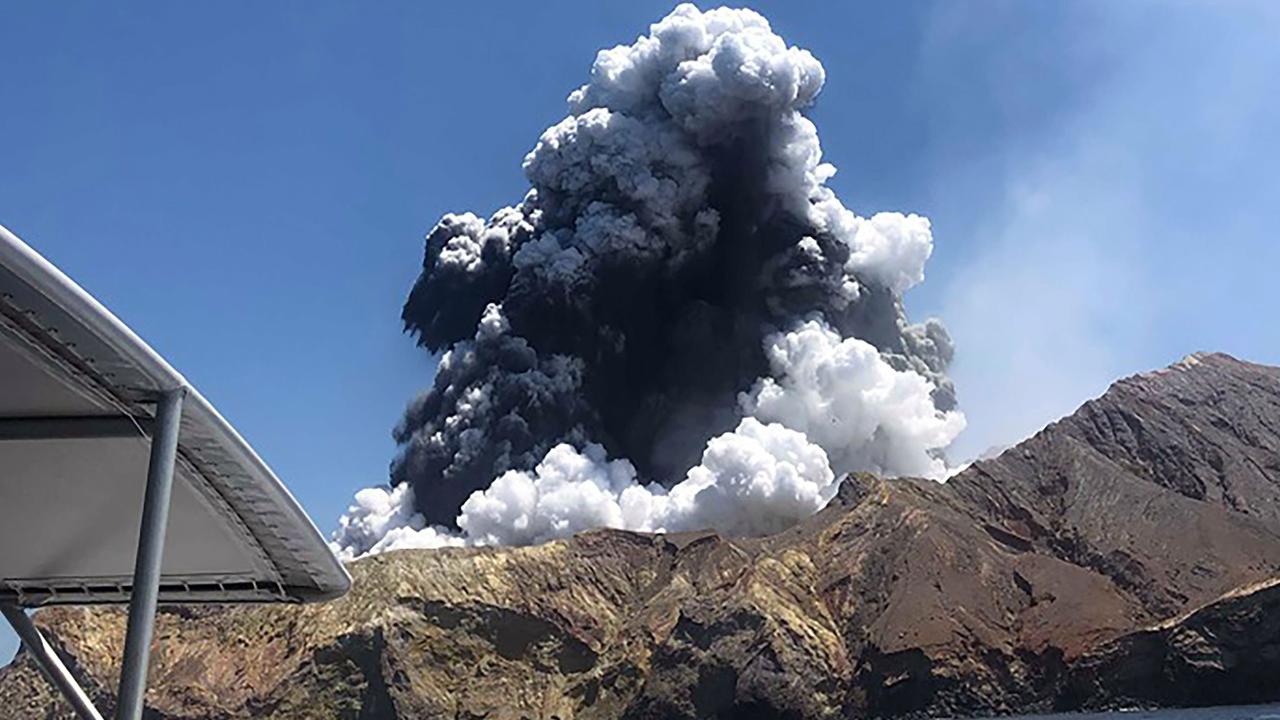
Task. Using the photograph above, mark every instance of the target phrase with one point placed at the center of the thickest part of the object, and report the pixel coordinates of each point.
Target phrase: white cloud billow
(758, 479)
(843, 396)
(383, 519)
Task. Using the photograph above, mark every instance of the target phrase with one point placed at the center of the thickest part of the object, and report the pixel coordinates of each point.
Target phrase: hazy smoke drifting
(678, 291)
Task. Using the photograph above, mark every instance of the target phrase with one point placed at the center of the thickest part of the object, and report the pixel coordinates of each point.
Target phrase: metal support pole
(146, 570)
(49, 662)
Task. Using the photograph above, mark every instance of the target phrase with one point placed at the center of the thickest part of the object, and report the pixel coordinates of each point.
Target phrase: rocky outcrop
(1116, 557)
(1224, 653)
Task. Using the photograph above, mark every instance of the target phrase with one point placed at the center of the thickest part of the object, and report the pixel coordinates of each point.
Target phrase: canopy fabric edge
(214, 450)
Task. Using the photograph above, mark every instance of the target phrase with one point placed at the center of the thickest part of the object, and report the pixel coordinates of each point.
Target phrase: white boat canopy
(103, 445)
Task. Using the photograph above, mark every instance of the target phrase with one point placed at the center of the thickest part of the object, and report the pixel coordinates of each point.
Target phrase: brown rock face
(1222, 654)
(1114, 557)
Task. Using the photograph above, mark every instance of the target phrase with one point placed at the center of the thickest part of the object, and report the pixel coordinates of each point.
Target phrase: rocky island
(1125, 555)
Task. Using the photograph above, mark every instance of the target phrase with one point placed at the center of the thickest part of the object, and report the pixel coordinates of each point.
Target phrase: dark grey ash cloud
(677, 269)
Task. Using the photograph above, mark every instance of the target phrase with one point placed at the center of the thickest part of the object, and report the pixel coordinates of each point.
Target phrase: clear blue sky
(247, 184)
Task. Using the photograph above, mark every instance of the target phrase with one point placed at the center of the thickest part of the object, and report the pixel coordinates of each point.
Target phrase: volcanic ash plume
(679, 326)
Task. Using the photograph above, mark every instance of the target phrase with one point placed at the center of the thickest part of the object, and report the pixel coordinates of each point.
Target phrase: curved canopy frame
(122, 484)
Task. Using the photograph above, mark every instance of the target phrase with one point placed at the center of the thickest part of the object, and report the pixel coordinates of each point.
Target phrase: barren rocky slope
(1123, 554)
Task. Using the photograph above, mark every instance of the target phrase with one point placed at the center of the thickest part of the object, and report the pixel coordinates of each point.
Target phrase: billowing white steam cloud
(755, 480)
(679, 291)
(842, 395)
(383, 519)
